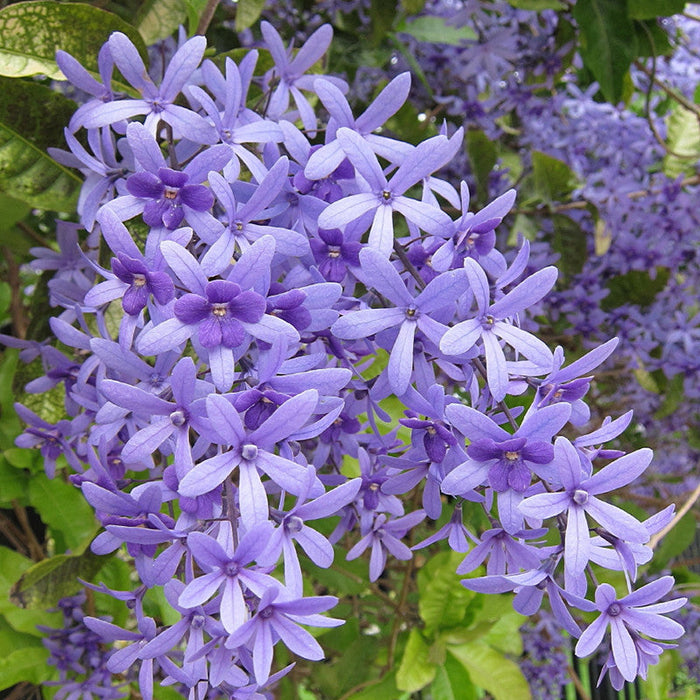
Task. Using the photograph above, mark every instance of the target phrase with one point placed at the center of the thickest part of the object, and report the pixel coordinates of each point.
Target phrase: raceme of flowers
(218, 398)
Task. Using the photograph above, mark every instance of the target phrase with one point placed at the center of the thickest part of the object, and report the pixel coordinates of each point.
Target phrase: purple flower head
(142, 283)
(218, 314)
(629, 617)
(158, 102)
(580, 497)
(333, 254)
(493, 321)
(167, 191)
(278, 616)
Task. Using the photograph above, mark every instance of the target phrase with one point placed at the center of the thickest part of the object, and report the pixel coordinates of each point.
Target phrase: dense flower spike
(254, 349)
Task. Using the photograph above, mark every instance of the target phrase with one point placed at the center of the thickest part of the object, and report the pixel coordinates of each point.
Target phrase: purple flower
(287, 77)
(629, 617)
(158, 102)
(334, 254)
(409, 314)
(279, 615)
(218, 314)
(492, 321)
(386, 196)
(580, 498)
(228, 572)
(385, 537)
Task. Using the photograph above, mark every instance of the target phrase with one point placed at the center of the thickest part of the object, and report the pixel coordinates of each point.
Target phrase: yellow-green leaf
(32, 118)
(31, 33)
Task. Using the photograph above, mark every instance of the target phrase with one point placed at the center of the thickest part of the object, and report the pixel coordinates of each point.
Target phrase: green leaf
(674, 543)
(537, 5)
(435, 30)
(673, 396)
(25, 664)
(158, 19)
(482, 158)
(194, 9)
(416, 669)
(660, 678)
(442, 601)
(412, 7)
(32, 118)
(635, 287)
(64, 509)
(13, 483)
(13, 210)
(651, 9)
(31, 32)
(452, 682)
(382, 690)
(382, 14)
(608, 43)
(553, 179)
(491, 670)
(45, 583)
(248, 13)
(683, 138)
(571, 242)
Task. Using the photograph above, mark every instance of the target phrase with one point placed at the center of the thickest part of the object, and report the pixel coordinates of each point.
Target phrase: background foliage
(586, 198)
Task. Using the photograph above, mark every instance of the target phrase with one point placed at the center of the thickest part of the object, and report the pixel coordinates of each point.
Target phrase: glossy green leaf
(492, 670)
(571, 242)
(435, 30)
(553, 179)
(608, 43)
(13, 483)
(382, 690)
(650, 9)
(674, 543)
(32, 118)
(45, 583)
(158, 19)
(194, 10)
(683, 139)
(416, 669)
(64, 509)
(31, 32)
(635, 287)
(482, 158)
(442, 601)
(25, 664)
(248, 13)
(452, 682)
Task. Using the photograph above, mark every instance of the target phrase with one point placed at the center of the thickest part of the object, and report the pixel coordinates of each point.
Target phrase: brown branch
(206, 18)
(670, 91)
(13, 534)
(577, 683)
(20, 323)
(36, 551)
(654, 541)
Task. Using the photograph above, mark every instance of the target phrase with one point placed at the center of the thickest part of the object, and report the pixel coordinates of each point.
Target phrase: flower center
(333, 252)
(410, 313)
(249, 452)
(139, 280)
(615, 609)
(232, 569)
(386, 195)
(177, 418)
(170, 193)
(293, 524)
(266, 612)
(580, 497)
(487, 322)
(219, 309)
(512, 456)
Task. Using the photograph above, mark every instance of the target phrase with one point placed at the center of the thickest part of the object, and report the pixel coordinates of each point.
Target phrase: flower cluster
(265, 289)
